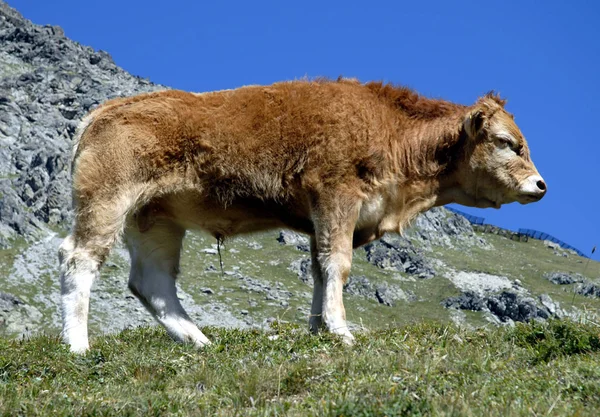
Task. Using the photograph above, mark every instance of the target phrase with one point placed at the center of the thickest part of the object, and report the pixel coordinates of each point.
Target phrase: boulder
(16, 317)
(506, 306)
(398, 253)
(297, 240)
(441, 227)
(563, 278)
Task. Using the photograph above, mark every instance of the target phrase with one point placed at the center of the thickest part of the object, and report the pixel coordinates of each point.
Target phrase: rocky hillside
(441, 270)
(47, 84)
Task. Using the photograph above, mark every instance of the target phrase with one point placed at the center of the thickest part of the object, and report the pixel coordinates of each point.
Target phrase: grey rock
(480, 282)
(396, 252)
(360, 285)
(588, 289)
(16, 317)
(302, 267)
(264, 287)
(467, 300)
(552, 306)
(510, 305)
(563, 278)
(9, 302)
(388, 294)
(383, 293)
(505, 306)
(442, 227)
(295, 239)
(47, 84)
(252, 244)
(551, 245)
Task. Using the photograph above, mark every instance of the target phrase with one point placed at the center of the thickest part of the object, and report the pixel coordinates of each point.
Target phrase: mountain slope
(47, 84)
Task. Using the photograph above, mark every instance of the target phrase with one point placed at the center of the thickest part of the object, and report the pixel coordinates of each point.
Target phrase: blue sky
(543, 56)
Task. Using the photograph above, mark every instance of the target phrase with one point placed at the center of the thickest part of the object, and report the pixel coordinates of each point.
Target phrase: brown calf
(341, 161)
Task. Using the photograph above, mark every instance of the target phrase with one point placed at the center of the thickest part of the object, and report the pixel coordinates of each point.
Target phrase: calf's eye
(511, 144)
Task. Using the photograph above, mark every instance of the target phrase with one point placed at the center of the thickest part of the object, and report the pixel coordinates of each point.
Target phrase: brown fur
(273, 148)
(341, 161)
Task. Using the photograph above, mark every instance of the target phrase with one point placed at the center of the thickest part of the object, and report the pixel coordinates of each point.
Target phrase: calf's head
(495, 167)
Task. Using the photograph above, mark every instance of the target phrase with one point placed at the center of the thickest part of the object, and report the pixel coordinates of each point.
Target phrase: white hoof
(190, 333)
(342, 331)
(348, 339)
(200, 343)
(79, 348)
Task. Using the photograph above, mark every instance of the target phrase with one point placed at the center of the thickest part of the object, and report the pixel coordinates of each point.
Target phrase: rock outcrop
(297, 240)
(17, 317)
(47, 84)
(585, 287)
(506, 306)
(397, 252)
(563, 278)
(383, 293)
(442, 227)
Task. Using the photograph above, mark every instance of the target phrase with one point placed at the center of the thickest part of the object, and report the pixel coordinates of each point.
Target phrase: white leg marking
(334, 268)
(77, 272)
(154, 267)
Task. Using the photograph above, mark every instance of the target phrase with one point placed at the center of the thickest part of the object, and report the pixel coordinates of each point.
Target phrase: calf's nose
(533, 186)
(541, 185)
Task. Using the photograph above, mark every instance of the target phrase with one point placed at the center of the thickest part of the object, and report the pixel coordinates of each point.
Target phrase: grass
(527, 261)
(271, 263)
(425, 369)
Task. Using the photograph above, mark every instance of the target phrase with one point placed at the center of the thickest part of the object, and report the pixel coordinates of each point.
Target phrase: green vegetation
(271, 265)
(262, 258)
(409, 360)
(425, 369)
(528, 262)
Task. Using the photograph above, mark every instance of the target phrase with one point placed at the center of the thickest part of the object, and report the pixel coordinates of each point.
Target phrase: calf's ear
(475, 123)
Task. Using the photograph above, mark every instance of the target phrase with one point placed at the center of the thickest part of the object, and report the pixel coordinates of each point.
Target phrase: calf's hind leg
(80, 260)
(316, 310)
(154, 267)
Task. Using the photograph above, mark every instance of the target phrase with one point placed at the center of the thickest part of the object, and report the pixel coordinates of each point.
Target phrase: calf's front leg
(335, 269)
(334, 259)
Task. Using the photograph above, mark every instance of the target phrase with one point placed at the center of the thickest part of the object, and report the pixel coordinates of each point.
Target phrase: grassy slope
(270, 264)
(424, 369)
(526, 261)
